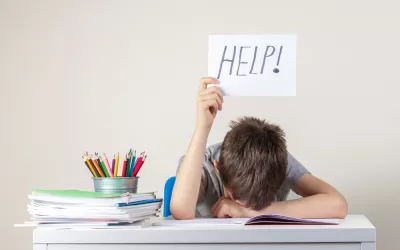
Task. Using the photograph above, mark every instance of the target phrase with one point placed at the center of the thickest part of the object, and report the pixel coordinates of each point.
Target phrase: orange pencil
(99, 169)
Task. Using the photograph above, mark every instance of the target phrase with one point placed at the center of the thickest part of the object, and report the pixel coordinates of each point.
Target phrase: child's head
(253, 161)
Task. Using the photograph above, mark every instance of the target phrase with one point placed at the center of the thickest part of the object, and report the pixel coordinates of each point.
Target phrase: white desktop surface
(354, 232)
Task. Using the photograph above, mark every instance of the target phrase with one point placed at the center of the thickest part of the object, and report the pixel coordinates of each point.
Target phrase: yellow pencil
(116, 166)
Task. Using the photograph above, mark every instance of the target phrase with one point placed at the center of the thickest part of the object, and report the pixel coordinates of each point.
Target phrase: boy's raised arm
(188, 179)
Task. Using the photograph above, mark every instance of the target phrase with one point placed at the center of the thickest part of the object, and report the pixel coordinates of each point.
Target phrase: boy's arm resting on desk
(320, 200)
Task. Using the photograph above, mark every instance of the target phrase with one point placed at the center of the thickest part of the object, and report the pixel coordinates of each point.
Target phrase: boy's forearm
(315, 206)
(187, 183)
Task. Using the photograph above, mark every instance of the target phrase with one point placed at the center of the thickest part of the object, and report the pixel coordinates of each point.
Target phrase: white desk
(354, 233)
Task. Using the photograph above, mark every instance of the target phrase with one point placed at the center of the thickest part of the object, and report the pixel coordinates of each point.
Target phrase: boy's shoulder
(213, 151)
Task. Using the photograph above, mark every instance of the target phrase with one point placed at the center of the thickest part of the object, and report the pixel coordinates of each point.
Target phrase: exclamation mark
(276, 70)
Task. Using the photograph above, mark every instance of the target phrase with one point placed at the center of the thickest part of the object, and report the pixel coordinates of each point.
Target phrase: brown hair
(253, 161)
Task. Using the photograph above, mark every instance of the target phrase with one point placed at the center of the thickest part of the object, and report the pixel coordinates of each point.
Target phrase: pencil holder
(116, 185)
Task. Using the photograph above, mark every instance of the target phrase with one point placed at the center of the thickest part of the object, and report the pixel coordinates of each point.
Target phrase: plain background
(109, 75)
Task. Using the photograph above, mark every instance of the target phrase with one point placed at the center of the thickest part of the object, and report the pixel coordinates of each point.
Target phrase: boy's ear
(216, 164)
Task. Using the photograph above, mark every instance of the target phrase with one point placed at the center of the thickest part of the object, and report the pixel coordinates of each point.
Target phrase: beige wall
(107, 75)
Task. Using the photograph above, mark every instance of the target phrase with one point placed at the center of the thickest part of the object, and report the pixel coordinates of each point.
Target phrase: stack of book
(73, 208)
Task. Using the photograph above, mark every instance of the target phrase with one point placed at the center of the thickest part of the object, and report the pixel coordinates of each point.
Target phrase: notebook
(76, 208)
(266, 219)
(79, 197)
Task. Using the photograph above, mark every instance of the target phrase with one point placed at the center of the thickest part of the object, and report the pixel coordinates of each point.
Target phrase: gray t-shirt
(211, 188)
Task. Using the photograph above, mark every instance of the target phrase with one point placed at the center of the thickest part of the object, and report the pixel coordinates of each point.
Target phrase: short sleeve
(295, 171)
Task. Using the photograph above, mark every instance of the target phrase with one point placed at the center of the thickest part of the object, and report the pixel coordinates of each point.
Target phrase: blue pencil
(132, 164)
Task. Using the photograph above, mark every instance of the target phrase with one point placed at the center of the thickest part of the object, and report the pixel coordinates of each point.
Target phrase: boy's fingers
(210, 100)
(222, 213)
(214, 210)
(213, 89)
(212, 97)
(205, 81)
(210, 104)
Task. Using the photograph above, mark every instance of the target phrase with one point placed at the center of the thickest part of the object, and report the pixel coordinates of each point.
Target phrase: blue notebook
(139, 202)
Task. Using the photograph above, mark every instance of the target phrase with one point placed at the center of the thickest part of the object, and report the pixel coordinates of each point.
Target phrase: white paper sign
(253, 65)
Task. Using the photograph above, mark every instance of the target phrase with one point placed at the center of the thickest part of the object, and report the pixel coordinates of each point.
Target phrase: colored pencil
(137, 169)
(110, 172)
(135, 165)
(104, 167)
(132, 164)
(87, 165)
(137, 160)
(98, 167)
(94, 167)
(116, 165)
(128, 160)
(99, 163)
(124, 166)
(113, 165)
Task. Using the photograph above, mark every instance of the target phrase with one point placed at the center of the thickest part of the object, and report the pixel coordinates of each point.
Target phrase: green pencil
(104, 167)
(128, 160)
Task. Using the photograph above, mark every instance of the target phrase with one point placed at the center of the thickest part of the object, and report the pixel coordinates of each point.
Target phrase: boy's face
(227, 192)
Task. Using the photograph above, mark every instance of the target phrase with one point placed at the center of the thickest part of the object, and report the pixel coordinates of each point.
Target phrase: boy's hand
(209, 101)
(226, 207)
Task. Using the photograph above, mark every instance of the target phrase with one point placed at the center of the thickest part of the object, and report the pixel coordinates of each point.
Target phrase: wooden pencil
(98, 167)
(87, 165)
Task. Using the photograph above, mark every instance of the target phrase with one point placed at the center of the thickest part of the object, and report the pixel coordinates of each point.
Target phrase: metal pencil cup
(116, 185)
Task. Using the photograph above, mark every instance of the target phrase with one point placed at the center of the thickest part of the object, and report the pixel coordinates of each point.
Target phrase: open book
(266, 219)
(280, 219)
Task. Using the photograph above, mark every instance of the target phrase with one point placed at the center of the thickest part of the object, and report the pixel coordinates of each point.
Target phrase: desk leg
(39, 246)
(368, 246)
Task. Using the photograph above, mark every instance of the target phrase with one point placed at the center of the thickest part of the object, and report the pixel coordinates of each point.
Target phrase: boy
(249, 174)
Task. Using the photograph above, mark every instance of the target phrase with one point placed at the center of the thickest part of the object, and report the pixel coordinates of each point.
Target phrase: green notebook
(87, 197)
(78, 193)
(85, 194)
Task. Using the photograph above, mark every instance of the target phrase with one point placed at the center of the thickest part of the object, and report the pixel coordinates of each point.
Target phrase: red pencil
(124, 166)
(137, 169)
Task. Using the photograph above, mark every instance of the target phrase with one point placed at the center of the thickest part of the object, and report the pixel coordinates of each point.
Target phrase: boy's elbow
(341, 206)
(179, 213)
